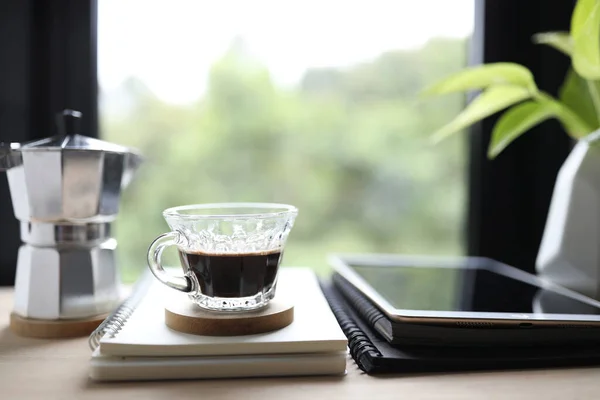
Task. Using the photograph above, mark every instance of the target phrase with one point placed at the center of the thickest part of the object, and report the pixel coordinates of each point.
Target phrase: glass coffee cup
(230, 252)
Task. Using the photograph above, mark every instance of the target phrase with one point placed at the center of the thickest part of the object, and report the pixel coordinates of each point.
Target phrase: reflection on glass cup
(230, 252)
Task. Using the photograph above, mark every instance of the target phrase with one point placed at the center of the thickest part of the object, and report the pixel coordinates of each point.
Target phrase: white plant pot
(569, 254)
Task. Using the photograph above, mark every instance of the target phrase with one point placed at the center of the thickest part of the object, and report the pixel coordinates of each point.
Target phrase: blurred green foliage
(349, 147)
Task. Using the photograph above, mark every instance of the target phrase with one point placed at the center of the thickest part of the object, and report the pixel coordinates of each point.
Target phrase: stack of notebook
(135, 344)
(361, 321)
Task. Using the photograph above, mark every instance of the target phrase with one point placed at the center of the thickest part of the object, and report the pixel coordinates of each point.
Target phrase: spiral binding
(371, 313)
(362, 349)
(116, 320)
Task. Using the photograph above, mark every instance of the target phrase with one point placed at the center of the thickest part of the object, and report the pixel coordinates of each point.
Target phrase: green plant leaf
(516, 121)
(573, 124)
(581, 12)
(522, 117)
(561, 41)
(575, 94)
(576, 127)
(489, 102)
(484, 76)
(585, 31)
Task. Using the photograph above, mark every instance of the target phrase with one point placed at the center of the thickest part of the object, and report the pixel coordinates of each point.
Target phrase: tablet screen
(468, 290)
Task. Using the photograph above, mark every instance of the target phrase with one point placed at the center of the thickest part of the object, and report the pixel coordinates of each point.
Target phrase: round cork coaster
(184, 316)
(53, 329)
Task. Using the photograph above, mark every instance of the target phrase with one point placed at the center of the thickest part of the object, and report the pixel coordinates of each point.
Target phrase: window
(303, 102)
(50, 54)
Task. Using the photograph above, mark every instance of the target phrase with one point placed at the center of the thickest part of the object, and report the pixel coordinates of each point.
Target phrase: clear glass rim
(272, 210)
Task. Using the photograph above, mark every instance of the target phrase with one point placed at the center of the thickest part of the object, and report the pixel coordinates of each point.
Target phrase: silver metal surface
(66, 282)
(9, 157)
(66, 190)
(48, 234)
(57, 184)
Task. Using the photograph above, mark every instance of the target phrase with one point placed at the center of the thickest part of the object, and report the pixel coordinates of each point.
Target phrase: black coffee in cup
(232, 275)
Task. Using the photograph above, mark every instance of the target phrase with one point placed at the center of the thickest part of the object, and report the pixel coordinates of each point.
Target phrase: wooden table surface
(45, 369)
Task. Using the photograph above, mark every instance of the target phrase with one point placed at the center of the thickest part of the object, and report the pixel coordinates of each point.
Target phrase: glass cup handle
(181, 283)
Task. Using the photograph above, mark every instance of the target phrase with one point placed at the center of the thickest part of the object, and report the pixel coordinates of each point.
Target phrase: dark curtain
(48, 62)
(509, 196)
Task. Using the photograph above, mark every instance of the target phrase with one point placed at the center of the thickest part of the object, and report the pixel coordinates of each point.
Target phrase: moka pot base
(48, 329)
(66, 271)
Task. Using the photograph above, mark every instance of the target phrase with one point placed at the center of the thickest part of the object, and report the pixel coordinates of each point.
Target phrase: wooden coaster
(183, 316)
(57, 329)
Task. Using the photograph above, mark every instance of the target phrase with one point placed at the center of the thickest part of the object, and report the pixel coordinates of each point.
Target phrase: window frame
(509, 197)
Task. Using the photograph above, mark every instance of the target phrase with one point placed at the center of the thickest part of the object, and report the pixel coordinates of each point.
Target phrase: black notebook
(373, 354)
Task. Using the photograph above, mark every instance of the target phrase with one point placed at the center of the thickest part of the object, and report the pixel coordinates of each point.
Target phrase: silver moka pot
(65, 191)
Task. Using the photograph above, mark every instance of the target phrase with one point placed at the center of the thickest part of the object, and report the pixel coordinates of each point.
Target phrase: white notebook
(108, 368)
(136, 343)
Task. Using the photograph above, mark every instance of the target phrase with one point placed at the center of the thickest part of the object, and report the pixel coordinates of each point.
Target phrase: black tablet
(465, 292)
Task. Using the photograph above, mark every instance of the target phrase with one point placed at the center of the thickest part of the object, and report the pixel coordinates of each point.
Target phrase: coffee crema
(233, 275)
